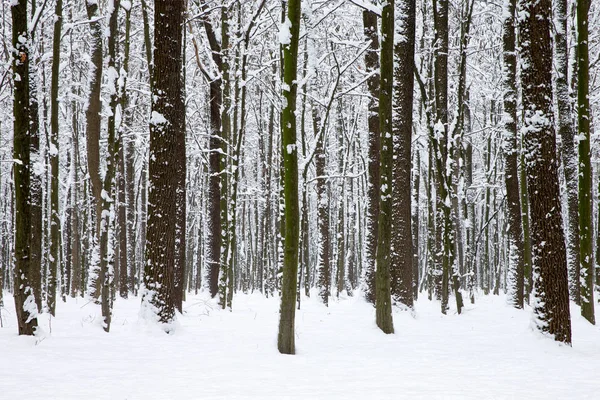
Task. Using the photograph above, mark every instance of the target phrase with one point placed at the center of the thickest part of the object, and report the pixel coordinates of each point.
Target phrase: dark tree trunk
(372, 65)
(511, 153)
(324, 267)
(547, 236)
(383, 301)
(55, 236)
(166, 128)
(93, 122)
(24, 285)
(402, 239)
(586, 231)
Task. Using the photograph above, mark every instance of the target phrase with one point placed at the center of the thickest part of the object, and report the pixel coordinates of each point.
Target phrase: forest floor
(488, 352)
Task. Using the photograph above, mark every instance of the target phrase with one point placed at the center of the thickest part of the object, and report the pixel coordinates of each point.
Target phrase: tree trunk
(511, 152)
(166, 128)
(372, 65)
(286, 337)
(55, 236)
(324, 266)
(383, 301)
(569, 151)
(547, 237)
(93, 122)
(586, 232)
(24, 285)
(402, 238)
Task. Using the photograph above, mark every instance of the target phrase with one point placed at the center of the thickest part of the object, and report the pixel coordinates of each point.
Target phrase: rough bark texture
(569, 153)
(324, 266)
(383, 301)
(372, 65)
(37, 195)
(26, 308)
(166, 127)
(586, 231)
(287, 312)
(443, 155)
(93, 131)
(215, 204)
(511, 152)
(401, 270)
(55, 238)
(547, 237)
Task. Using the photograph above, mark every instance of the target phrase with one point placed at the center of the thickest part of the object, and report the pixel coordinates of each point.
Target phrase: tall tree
(216, 158)
(511, 152)
(93, 125)
(567, 133)
(383, 301)
(55, 236)
(289, 37)
(402, 239)
(586, 232)
(26, 308)
(443, 155)
(37, 172)
(372, 65)
(166, 125)
(324, 266)
(551, 307)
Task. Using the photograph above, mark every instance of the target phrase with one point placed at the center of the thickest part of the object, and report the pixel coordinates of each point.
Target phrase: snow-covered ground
(488, 352)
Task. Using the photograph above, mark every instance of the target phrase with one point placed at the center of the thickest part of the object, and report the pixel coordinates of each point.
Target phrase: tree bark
(383, 301)
(511, 153)
(566, 132)
(547, 237)
(586, 232)
(373, 82)
(286, 336)
(166, 127)
(402, 238)
(26, 308)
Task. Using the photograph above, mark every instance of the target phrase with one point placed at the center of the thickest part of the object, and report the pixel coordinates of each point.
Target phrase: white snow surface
(488, 352)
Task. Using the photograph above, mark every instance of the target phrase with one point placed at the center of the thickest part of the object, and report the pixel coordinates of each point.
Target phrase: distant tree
(324, 267)
(551, 306)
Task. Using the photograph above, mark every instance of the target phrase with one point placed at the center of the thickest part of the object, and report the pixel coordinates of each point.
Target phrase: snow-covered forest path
(489, 352)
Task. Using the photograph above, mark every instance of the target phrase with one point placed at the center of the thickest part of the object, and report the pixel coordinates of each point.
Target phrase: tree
(402, 238)
(55, 237)
(586, 232)
(383, 302)
(372, 65)
(26, 308)
(324, 267)
(93, 125)
(551, 306)
(289, 37)
(567, 134)
(511, 153)
(216, 158)
(443, 154)
(166, 126)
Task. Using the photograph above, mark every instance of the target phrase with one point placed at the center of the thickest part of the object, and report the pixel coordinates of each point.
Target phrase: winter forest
(402, 194)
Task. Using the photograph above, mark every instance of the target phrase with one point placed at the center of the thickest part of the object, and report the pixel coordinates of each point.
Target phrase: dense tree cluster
(393, 149)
